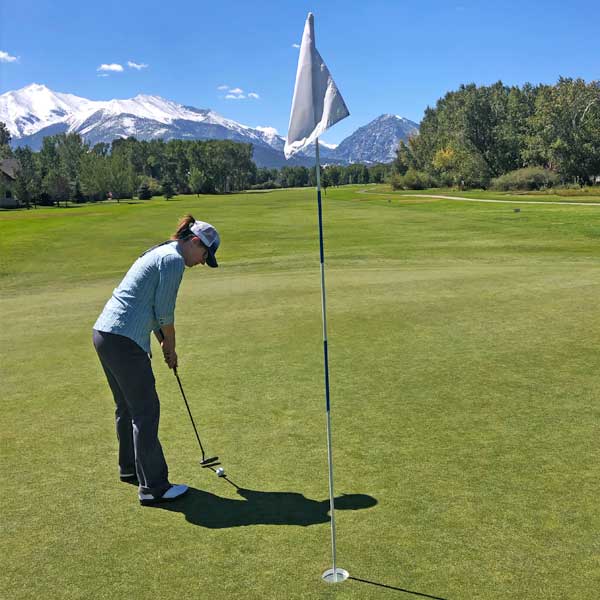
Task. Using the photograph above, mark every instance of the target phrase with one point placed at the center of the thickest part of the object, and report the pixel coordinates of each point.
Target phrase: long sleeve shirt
(146, 297)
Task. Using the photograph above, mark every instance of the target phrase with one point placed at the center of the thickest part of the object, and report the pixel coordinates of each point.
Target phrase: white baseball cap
(209, 236)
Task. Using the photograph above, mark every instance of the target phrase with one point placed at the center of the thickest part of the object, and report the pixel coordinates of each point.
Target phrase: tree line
(476, 134)
(68, 169)
(331, 175)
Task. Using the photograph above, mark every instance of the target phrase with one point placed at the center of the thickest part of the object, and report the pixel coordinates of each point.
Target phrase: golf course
(464, 357)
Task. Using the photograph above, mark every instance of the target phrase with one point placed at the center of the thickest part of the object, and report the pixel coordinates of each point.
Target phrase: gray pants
(130, 377)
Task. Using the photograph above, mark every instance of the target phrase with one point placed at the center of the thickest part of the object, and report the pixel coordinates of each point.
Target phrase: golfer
(143, 303)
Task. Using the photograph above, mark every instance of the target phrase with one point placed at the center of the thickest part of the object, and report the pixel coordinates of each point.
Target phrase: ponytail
(183, 228)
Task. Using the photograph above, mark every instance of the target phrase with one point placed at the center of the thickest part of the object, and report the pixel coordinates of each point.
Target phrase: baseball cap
(209, 237)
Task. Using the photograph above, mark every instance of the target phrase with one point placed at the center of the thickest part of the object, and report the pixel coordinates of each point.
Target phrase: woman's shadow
(260, 508)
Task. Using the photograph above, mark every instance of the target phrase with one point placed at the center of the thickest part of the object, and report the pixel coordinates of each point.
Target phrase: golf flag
(316, 106)
(317, 103)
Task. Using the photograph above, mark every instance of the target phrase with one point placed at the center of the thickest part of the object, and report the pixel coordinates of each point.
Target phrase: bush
(412, 180)
(530, 178)
(45, 199)
(266, 185)
(144, 192)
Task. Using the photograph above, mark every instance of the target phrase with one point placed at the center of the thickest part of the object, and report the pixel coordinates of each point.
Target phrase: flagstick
(335, 574)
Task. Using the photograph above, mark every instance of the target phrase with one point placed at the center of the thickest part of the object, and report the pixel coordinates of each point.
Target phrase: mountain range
(35, 111)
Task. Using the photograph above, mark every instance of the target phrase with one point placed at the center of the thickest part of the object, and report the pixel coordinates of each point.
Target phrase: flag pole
(335, 574)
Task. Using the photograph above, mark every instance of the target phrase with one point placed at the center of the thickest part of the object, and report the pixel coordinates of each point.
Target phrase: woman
(145, 302)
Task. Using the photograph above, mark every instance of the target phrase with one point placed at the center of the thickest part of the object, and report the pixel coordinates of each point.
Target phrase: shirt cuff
(166, 320)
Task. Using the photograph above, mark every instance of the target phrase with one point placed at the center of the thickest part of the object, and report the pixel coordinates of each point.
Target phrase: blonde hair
(183, 228)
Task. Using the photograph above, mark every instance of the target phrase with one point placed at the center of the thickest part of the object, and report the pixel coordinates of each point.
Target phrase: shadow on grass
(260, 508)
(398, 589)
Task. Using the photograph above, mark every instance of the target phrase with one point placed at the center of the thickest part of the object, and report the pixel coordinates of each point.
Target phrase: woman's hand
(170, 358)
(167, 343)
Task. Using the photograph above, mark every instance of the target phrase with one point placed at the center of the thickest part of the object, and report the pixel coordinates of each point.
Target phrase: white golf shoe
(174, 492)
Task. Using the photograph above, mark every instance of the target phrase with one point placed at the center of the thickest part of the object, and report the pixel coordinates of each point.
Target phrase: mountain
(377, 141)
(35, 111)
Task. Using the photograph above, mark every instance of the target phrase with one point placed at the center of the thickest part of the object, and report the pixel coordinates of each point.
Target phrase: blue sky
(385, 56)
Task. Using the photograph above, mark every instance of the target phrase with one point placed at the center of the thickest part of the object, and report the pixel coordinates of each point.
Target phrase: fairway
(465, 387)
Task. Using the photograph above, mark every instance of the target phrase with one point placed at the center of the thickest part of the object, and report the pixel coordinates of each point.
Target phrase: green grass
(465, 383)
(586, 194)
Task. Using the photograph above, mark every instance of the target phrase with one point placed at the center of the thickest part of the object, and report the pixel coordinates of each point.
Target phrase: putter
(206, 463)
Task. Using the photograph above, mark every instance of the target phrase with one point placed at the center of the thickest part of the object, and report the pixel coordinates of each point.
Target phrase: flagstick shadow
(398, 589)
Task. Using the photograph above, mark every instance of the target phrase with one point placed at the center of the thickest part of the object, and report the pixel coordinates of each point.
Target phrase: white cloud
(237, 93)
(6, 57)
(103, 75)
(110, 67)
(137, 66)
(295, 45)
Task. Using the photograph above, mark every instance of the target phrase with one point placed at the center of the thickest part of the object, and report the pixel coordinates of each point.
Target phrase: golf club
(213, 461)
(205, 462)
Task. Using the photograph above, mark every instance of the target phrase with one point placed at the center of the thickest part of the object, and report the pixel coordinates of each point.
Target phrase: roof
(10, 167)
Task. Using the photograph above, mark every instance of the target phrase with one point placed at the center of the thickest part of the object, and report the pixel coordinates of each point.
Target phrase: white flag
(317, 103)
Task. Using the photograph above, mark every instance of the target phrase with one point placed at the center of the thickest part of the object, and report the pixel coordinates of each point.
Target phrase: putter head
(210, 462)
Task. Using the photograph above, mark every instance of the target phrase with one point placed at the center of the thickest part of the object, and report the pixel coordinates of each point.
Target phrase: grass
(465, 385)
(586, 194)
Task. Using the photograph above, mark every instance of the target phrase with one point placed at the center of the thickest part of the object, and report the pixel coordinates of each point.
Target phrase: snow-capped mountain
(377, 141)
(35, 112)
(32, 108)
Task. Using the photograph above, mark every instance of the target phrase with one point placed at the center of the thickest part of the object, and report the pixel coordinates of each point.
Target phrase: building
(9, 168)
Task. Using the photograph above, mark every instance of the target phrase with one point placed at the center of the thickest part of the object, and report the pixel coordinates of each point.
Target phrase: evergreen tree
(167, 189)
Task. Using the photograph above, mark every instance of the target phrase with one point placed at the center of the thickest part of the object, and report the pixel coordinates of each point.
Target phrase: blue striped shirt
(145, 299)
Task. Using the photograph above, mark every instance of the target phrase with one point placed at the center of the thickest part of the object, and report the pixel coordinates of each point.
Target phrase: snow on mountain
(268, 132)
(35, 111)
(328, 146)
(35, 107)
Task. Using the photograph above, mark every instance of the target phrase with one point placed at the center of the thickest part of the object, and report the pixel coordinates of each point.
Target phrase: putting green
(465, 385)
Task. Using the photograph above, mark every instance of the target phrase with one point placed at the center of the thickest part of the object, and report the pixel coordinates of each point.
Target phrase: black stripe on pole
(320, 226)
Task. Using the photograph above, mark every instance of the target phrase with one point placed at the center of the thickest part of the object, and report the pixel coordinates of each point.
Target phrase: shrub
(412, 180)
(266, 185)
(529, 178)
(144, 192)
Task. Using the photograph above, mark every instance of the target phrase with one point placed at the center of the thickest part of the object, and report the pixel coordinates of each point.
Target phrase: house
(9, 168)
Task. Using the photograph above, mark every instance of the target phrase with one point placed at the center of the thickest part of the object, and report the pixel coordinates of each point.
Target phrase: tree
(403, 160)
(565, 129)
(24, 184)
(334, 174)
(5, 150)
(123, 181)
(196, 180)
(95, 175)
(379, 173)
(167, 189)
(56, 186)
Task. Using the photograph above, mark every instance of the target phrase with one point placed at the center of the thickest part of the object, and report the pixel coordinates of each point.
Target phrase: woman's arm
(170, 272)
